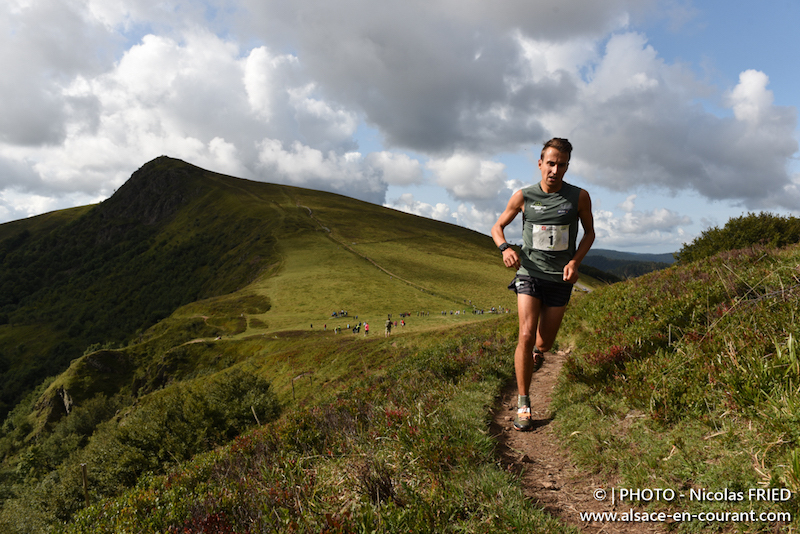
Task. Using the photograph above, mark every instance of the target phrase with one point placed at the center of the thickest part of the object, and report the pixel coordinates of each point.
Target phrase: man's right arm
(510, 257)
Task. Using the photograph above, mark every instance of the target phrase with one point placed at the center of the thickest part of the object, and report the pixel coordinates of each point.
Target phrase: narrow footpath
(547, 476)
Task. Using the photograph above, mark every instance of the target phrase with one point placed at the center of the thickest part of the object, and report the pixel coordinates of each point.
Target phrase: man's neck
(555, 189)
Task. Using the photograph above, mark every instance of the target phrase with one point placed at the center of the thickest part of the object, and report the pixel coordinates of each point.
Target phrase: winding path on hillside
(546, 473)
(373, 262)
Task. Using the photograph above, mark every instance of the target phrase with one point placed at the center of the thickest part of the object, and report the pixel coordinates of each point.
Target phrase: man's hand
(510, 258)
(571, 272)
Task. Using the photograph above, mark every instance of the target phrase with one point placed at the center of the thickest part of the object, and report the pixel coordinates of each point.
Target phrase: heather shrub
(675, 373)
(162, 430)
(401, 451)
(763, 229)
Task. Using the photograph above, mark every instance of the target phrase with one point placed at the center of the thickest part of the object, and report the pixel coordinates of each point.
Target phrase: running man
(547, 266)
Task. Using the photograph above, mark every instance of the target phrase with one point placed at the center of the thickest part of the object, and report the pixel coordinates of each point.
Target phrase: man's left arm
(587, 222)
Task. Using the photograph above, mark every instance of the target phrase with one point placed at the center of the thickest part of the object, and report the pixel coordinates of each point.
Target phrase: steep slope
(103, 274)
(175, 234)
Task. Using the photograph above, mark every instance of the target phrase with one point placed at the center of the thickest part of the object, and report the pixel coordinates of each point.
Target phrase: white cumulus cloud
(637, 228)
(468, 177)
(395, 168)
(407, 203)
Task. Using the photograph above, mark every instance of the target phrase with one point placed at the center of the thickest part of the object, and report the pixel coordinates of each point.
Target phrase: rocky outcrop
(65, 398)
(153, 193)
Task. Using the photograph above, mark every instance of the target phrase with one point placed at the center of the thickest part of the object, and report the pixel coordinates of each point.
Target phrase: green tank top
(549, 231)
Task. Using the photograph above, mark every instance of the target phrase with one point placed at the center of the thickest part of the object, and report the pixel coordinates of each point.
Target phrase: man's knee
(527, 337)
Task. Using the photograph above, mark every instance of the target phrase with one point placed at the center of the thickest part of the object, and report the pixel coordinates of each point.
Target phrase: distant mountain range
(666, 257)
(626, 264)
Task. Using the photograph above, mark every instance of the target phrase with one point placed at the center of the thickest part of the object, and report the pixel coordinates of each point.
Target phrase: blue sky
(683, 114)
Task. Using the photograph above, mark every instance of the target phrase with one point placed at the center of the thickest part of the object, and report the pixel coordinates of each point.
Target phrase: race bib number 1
(553, 238)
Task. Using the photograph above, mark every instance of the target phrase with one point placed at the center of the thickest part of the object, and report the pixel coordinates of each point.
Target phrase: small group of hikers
(387, 331)
(356, 329)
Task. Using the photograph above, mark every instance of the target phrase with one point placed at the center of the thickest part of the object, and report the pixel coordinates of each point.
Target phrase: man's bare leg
(529, 309)
(549, 322)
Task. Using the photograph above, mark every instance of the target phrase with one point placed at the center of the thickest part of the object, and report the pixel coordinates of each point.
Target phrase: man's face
(553, 166)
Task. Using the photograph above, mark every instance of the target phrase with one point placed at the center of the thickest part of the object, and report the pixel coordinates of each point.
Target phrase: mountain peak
(153, 193)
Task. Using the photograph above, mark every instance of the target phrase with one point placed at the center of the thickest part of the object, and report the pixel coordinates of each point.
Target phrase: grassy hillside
(175, 234)
(104, 274)
(152, 310)
(402, 449)
(689, 379)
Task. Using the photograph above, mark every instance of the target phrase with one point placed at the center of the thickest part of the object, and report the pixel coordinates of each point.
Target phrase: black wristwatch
(503, 247)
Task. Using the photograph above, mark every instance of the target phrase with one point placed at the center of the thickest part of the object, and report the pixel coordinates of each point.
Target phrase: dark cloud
(43, 45)
(435, 76)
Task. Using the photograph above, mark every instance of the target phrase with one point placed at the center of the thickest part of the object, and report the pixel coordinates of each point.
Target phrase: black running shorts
(552, 294)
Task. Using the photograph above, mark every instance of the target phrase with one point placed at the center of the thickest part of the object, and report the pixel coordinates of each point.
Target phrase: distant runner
(548, 264)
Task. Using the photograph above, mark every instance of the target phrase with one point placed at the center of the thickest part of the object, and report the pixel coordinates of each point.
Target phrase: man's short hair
(562, 145)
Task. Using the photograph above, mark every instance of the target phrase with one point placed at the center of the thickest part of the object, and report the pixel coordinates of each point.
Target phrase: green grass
(402, 450)
(106, 273)
(378, 434)
(42, 223)
(447, 260)
(688, 379)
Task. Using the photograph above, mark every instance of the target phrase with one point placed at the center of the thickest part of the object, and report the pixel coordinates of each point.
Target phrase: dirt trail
(547, 475)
